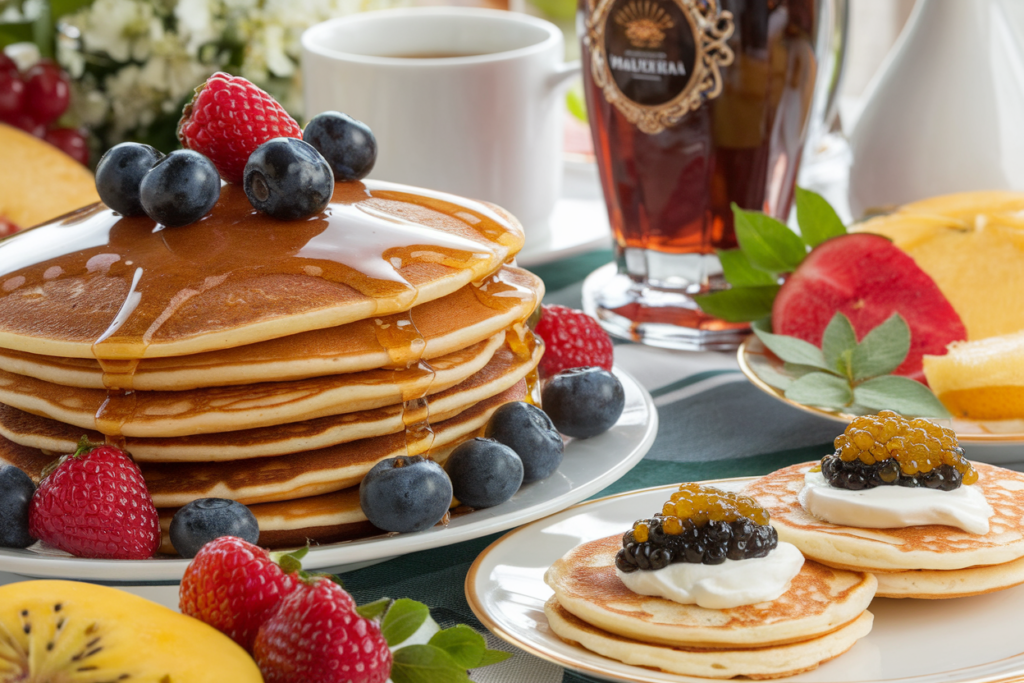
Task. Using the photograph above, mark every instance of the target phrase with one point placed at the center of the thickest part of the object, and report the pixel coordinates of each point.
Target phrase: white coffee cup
(485, 125)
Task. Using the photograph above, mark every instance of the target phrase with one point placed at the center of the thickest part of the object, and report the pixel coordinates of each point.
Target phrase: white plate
(588, 466)
(975, 639)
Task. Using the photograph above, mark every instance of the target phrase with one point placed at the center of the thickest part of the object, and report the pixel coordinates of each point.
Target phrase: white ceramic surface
(487, 126)
(587, 467)
(914, 641)
(944, 113)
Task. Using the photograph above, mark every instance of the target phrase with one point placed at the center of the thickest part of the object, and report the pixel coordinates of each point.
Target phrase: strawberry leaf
(403, 619)
(838, 343)
(464, 645)
(793, 350)
(767, 243)
(740, 272)
(902, 394)
(818, 220)
(882, 350)
(821, 389)
(426, 664)
(493, 657)
(375, 609)
(740, 304)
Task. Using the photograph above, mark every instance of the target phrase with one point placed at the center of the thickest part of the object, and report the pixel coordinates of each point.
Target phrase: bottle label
(658, 60)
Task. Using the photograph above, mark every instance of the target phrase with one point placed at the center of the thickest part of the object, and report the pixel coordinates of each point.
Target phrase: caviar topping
(700, 525)
(890, 450)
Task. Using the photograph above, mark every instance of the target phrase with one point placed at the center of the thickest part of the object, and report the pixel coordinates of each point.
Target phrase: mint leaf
(402, 620)
(740, 304)
(373, 610)
(821, 389)
(769, 244)
(463, 644)
(426, 664)
(882, 349)
(838, 343)
(774, 378)
(493, 657)
(740, 272)
(818, 220)
(902, 394)
(793, 350)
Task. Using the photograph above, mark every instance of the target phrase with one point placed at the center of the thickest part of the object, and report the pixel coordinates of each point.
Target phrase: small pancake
(820, 600)
(99, 285)
(448, 324)
(757, 663)
(937, 584)
(226, 409)
(504, 370)
(894, 550)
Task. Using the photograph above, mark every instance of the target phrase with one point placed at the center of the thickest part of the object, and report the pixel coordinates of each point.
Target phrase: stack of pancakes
(820, 616)
(269, 362)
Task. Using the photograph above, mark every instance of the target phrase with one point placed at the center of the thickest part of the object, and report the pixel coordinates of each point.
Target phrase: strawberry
(235, 587)
(867, 278)
(228, 118)
(94, 503)
(572, 339)
(318, 637)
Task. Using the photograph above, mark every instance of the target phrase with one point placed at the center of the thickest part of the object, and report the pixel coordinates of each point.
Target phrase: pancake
(820, 600)
(892, 550)
(225, 409)
(504, 370)
(940, 584)
(98, 285)
(757, 663)
(461, 319)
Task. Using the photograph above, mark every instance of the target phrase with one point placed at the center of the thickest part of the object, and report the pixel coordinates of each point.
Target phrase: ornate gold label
(658, 60)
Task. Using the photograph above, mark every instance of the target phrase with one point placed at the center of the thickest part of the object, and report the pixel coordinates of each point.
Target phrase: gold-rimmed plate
(968, 640)
(999, 442)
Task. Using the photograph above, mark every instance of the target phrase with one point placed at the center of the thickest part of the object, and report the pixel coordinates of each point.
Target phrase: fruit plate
(506, 590)
(588, 467)
(998, 442)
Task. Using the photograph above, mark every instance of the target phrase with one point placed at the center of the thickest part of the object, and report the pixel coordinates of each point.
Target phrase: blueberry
(484, 473)
(407, 493)
(347, 145)
(528, 431)
(583, 402)
(16, 491)
(288, 179)
(119, 175)
(180, 189)
(205, 519)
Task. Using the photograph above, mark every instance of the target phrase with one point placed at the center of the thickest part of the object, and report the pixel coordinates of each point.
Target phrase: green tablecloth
(714, 424)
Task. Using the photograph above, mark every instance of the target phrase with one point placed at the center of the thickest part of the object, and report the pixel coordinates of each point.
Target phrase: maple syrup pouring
(401, 339)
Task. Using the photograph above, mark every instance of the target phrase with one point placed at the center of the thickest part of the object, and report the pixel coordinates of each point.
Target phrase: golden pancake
(98, 285)
(451, 323)
(938, 584)
(820, 600)
(757, 663)
(225, 409)
(911, 548)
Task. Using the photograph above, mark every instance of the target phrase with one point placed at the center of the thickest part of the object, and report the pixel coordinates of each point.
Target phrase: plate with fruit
(895, 313)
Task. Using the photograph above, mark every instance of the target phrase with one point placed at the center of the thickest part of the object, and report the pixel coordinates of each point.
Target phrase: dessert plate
(588, 466)
(506, 590)
(999, 442)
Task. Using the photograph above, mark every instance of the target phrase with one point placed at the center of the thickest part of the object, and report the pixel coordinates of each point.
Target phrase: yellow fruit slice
(972, 245)
(73, 632)
(980, 380)
(38, 181)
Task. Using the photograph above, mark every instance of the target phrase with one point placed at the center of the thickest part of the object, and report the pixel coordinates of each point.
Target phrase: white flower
(122, 29)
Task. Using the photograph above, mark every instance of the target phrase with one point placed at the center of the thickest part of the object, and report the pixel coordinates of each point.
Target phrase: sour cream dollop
(720, 586)
(896, 507)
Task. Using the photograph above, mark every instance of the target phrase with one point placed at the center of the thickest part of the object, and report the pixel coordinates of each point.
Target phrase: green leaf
(882, 349)
(463, 644)
(769, 244)
(493, 657)
(793, 350)
(821, 389)
(21, 32)
(373, 610)
(426, 664)
(59, 8)
(839, 338)
(774, 378)
(740, 272)
(818, 220)
(902, 394)
(741, 304)
(403, 619)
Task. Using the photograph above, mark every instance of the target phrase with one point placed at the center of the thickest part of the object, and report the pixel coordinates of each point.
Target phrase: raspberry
(235, 587)
(572, 339)
(95, 504)
(228, 118)
(318, 637)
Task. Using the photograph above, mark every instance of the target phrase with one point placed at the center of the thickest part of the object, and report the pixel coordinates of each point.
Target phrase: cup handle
(564, 74)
